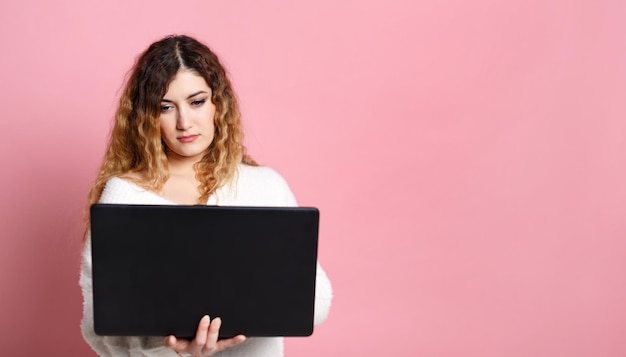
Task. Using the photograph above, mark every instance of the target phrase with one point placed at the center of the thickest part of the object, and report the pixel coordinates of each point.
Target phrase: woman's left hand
(206, 342)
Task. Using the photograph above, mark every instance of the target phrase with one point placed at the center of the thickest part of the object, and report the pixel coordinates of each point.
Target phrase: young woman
(177, 139)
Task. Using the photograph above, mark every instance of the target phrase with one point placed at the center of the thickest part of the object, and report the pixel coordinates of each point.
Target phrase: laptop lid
(157, 269)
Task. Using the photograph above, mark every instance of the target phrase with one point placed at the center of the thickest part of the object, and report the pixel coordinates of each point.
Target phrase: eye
(198, 102)
(166, 108)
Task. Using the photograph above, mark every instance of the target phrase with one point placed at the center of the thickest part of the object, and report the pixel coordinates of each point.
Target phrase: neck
(181, 166)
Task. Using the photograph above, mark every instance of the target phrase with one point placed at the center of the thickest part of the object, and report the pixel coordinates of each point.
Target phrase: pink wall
(468, 157)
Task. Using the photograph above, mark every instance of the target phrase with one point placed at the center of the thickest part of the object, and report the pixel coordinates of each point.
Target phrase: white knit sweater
(252, 186)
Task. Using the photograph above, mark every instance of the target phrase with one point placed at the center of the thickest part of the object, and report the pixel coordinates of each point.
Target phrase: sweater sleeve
(323, 287)
(111, 345)
(323, 296)
(260, 185)
(115, 192)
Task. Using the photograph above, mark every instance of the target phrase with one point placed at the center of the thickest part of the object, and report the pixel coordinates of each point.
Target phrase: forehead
(186, 82)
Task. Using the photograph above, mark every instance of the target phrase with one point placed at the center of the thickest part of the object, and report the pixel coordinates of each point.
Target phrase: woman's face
(187, 114)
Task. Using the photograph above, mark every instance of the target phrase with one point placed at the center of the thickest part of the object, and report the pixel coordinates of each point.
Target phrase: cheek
(210, 118)
(164, 128)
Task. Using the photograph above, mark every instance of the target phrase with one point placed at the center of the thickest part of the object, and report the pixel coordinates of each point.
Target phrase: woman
(177, 139)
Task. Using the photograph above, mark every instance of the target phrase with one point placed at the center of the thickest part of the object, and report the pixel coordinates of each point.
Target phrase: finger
(231, 342)
(212, 335)
(169, 341)
(201, 333)
(175, 344)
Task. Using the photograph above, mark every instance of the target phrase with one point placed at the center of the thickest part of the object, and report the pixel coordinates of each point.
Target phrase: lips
(187, 138)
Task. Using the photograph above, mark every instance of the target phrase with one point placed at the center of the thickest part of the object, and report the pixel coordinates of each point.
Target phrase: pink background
(468, 158)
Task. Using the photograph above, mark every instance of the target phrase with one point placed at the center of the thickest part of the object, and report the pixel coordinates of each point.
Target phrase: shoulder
(260, 186)
(261, 175)
(121, 190)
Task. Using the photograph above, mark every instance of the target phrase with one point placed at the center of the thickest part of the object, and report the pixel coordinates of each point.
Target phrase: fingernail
(206, 318)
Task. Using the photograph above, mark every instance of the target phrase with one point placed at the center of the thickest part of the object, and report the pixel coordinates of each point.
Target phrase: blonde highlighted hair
(135, 144)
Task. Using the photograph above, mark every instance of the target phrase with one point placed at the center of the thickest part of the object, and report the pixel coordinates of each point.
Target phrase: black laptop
(158, 269)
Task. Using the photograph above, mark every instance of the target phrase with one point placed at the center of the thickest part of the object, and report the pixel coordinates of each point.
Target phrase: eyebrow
(188, 97)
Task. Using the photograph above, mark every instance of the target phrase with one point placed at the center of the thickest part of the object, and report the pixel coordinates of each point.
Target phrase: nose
(182, 121)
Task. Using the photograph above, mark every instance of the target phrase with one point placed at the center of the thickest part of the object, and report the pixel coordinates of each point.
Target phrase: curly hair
(135, 144)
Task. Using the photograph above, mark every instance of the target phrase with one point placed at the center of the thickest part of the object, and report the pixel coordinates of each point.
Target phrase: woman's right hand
(206, 342)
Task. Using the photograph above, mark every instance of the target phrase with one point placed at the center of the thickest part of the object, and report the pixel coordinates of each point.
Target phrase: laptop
(157, 269)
